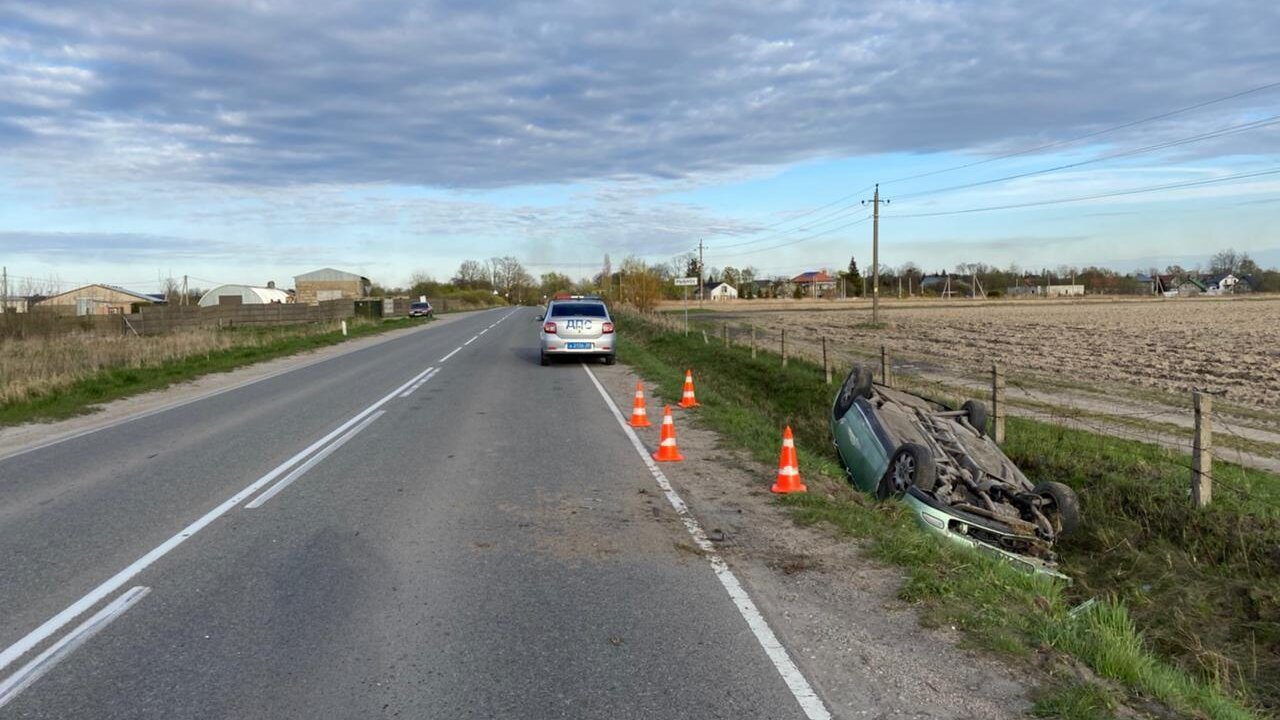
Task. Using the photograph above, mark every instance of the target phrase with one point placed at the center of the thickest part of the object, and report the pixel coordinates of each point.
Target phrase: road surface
(434, 527)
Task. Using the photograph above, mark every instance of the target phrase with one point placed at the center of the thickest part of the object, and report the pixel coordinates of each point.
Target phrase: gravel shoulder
(835, 610)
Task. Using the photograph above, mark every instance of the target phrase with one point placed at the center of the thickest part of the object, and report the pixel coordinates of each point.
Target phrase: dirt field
(1170, 345)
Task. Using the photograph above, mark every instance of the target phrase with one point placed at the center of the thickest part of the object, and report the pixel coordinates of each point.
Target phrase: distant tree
(473, 275)
(853, 278)
(731, 275)
(692, 267)
(1225, 261)
(553, 282)
(747, 280)
(798, 292)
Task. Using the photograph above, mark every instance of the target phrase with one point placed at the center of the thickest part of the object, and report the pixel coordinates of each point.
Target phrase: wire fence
(1167, 425)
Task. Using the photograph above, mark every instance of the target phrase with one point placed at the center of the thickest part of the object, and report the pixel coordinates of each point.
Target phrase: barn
(329, 284)
(245, 295)
(99, 299)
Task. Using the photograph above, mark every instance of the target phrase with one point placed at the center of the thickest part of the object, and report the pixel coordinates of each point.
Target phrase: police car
(577, 326)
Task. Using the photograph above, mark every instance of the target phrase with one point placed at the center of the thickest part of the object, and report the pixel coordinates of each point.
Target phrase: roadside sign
(686, 282)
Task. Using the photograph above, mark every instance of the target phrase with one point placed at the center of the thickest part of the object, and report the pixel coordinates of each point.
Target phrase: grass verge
(1156, 567)
(248, 345)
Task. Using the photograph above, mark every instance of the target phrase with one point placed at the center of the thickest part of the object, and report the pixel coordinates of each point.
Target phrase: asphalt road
(334, 543)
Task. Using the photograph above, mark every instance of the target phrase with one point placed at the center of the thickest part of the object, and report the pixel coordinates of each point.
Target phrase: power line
(1086, 136)
(793, 218)
(803, 239)
(1100, 196)
(1213, 134)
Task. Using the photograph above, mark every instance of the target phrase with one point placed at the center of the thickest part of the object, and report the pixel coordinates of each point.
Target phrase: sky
(253, 140)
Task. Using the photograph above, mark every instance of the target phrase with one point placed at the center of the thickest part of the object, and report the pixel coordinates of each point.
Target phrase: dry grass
(35, 366)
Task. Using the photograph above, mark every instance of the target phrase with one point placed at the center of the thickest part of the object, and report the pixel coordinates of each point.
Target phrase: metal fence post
(997, 404)
(753, 342)
(784, 347)
(726, 334)
(1202, 453)
(884, 367)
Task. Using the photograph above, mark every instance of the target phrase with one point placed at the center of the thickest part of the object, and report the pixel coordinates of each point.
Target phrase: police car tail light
(607, 327)
(549, 328)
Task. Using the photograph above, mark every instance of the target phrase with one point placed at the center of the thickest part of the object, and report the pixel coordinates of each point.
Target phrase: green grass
(1177, 589)
(82, 396)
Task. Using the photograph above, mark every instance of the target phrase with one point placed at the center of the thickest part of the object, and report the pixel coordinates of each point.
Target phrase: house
(720, 291)
(815, 283)
(245, 295)
(1064, 291)
(1191, 286)
(1221, 284)
(328, 284)
(14, 304)
(99, 299)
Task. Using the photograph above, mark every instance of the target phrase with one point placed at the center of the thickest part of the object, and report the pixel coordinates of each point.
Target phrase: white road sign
(687, 282)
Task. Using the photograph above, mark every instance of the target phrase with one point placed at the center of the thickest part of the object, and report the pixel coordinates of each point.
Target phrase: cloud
(457, 95)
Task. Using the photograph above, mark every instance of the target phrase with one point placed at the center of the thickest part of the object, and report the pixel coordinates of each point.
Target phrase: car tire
(912, 465)
(610, 359)
(1065, 504)
(976, 413)
(856, 384)
(545, 360)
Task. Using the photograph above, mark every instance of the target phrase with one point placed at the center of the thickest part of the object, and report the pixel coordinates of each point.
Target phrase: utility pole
(875, 255)
(701, 289)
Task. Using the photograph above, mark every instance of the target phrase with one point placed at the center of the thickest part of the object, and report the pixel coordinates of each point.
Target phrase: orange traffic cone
(788, 468)
(667, 450)
(639, 418)
(687, 400)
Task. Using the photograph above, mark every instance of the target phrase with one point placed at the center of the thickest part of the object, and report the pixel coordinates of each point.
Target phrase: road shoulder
(836, 611)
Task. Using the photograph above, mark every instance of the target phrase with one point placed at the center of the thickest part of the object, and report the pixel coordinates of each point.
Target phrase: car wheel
(1063, 503)
(976, 413)
(857, 384)
(545, 360)
(610, 359)
(912, 465)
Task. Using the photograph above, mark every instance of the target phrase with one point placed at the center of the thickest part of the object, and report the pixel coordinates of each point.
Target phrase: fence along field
(1202, 581)
(1125, 368)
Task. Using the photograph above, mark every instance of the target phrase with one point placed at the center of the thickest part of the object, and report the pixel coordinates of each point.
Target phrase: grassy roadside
(244, 346)
(1179, 595)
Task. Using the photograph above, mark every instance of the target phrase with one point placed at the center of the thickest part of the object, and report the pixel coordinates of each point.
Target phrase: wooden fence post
(884, 367)
(1202, 452)
(826, 368)
(753, 342)
(784, 347)
(726, 334)
(997, 404)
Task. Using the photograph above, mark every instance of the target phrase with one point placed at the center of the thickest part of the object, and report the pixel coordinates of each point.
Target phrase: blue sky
(254, 140)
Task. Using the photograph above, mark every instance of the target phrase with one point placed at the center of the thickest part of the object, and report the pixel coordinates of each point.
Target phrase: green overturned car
(953, 477)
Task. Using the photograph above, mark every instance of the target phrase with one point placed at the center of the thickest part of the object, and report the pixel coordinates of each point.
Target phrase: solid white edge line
(13, 685)
(810, 703)
(93, 597)
(302, 469)
(455, 352)
(473, 339)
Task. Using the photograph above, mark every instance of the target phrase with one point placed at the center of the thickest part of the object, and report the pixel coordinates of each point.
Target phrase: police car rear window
(579, 309)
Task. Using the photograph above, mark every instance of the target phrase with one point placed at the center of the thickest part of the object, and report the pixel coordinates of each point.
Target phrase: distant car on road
(577, 327)
(421, 309)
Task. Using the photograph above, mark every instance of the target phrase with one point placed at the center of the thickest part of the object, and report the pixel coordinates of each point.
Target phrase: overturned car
(955, 479)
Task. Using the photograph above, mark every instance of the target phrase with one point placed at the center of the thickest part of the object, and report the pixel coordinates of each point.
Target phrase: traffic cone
(788, 467)
(639, 418)
(667, 450)
(687, 400)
